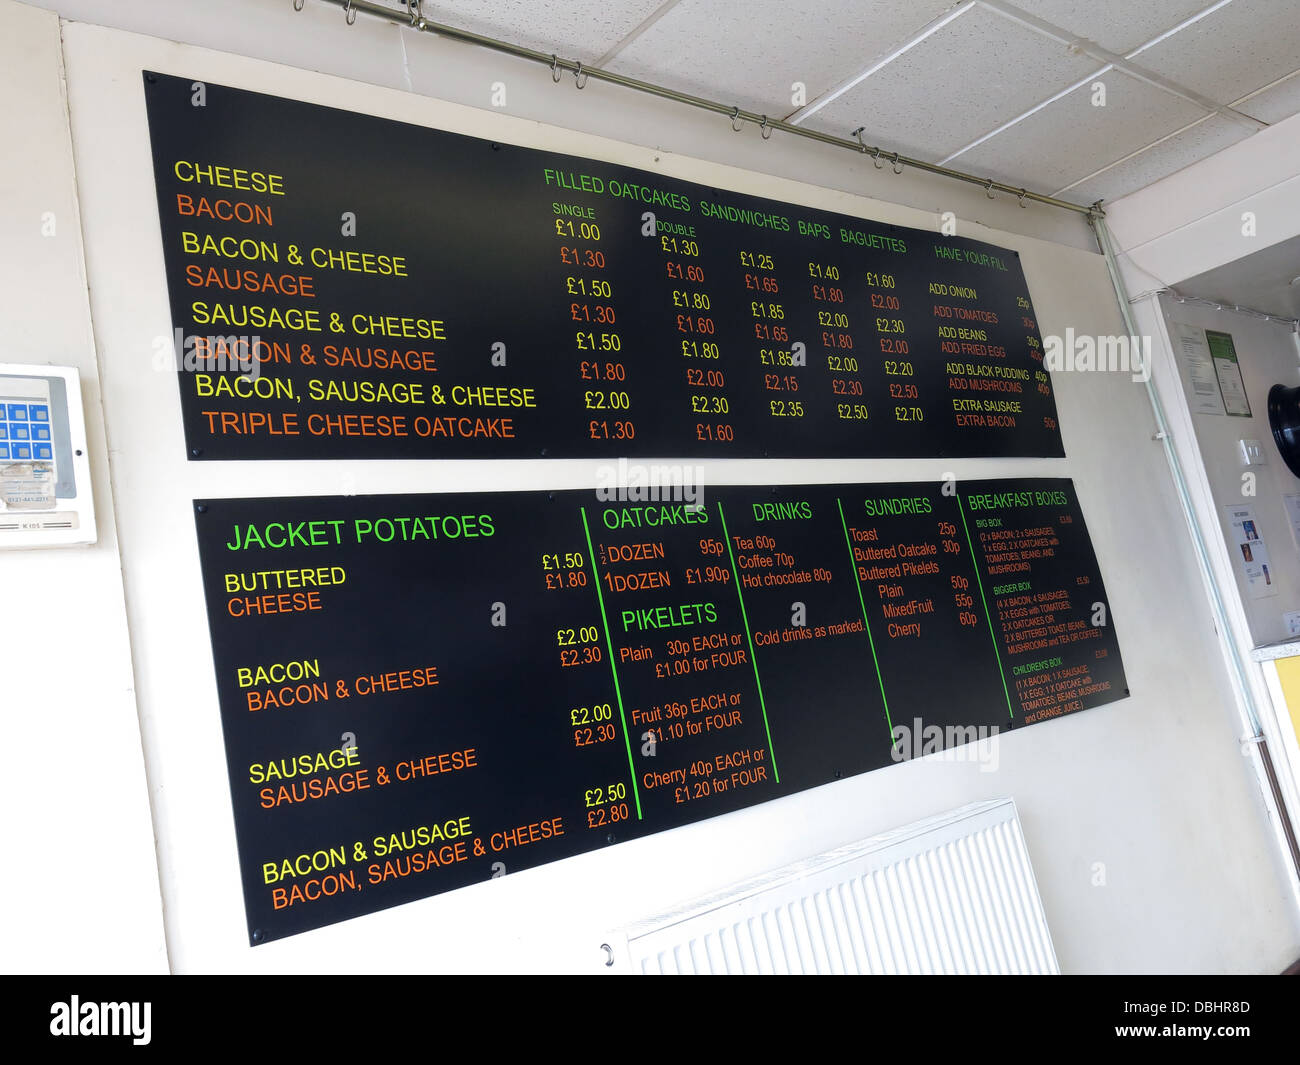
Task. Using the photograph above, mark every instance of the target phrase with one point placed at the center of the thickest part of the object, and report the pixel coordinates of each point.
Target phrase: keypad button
(17, 412)
(43, 451)
(21, 451)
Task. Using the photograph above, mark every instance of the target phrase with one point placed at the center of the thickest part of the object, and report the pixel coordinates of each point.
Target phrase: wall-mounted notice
(1194, 353)
(402, 292)
(1249, 551)
(421, 692)
(1228, 371)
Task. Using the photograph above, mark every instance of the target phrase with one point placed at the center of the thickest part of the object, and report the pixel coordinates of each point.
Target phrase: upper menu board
(345, 286)
(420, 692)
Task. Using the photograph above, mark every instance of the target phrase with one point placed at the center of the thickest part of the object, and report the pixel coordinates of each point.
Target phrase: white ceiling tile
(1160, 160)
(964, 80)
(749, 54)
(1069, 139)
(574, 29)
(1274, 103)
(1232, 51)
(1117, 25)
(967, 77)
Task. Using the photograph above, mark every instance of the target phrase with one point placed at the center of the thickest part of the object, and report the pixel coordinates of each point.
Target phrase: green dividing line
(853, 572)
(961, 508)
(609, 646)
(735, 573)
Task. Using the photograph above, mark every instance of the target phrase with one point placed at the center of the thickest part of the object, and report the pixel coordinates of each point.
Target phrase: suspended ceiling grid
(1007, 90)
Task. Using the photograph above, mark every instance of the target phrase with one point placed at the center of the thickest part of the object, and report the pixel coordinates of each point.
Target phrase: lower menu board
(421, 692)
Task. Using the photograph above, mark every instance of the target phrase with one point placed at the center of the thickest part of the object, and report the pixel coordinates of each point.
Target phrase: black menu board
(345, 286)
(421, 692)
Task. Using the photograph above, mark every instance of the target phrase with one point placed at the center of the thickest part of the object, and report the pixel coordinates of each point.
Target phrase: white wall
(80, 888)
(1221, 209)
(1258, 711)
(1267, 356)
(1151, 787)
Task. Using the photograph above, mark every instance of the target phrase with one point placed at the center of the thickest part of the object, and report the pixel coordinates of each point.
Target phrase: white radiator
(951, 894)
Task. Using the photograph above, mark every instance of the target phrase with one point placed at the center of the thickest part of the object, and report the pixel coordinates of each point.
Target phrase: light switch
(1252, 453)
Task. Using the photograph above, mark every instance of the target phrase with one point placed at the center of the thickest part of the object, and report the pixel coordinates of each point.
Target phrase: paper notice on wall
(1194, 354)
(1228, 371)
(27, 486)
(1249, 552)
